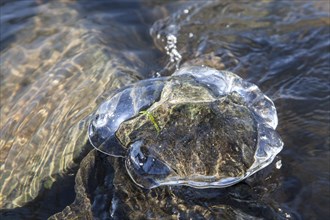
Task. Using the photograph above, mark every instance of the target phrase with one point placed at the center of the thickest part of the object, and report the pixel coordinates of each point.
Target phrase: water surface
(60, 59)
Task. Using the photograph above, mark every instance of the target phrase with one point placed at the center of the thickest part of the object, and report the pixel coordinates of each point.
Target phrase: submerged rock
(199, 143)
(104, 191)
(201, 127)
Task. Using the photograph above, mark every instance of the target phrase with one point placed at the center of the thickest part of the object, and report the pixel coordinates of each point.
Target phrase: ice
(146, 165)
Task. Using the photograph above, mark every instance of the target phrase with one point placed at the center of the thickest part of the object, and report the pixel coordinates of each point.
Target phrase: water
(60, 59)
(160, 156)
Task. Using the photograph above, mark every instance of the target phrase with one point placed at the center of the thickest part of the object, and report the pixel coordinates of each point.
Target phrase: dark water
(60, 59)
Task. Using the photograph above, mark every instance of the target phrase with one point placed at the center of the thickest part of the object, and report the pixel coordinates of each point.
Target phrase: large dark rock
(104, 191)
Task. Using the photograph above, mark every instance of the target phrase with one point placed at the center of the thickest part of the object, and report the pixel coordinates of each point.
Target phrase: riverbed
(60, 59)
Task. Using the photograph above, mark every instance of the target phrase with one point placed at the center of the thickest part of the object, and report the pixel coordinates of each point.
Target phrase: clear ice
(145, 166)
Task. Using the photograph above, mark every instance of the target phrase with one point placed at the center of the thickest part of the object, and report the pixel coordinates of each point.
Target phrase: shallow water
(60, 59)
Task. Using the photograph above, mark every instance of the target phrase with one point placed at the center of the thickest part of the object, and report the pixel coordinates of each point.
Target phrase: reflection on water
(60, 59)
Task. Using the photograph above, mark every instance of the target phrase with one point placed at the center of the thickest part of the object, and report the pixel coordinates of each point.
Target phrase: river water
(60, 59)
